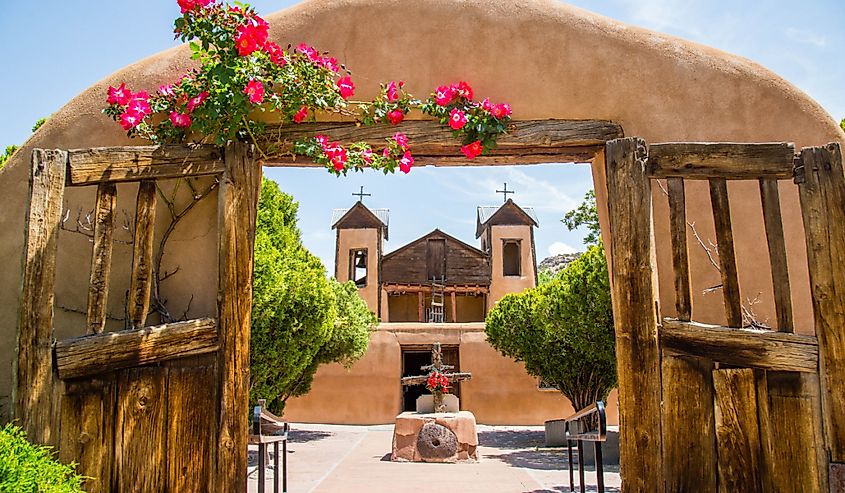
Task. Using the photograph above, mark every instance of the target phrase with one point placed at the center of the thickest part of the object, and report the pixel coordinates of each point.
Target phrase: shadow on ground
(302, 436)
(587, 488)
(508, 439)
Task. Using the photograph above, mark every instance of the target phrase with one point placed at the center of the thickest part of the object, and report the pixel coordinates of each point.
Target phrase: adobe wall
(547, 59)
(351, 239)
(500, 392)
(500, 284)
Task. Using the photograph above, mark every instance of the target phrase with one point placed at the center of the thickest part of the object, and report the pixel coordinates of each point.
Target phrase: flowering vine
(241, 74)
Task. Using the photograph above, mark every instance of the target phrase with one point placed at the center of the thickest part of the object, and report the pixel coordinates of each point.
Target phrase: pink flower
(395, 117)
(347, 87)
(329, 63)
(486, 104)
(301, 114)
(322, 140)
(367, 155)
(308, 51)
(255, 90)
(471, 151)
(197, 100)
(457, 119)
(337, 155)
(119, 95)
(500, 111)
(444, 95)
(406, 162)
(166, 90)
(463, 89)
(245, 40)
(139, 106)
(393, 90)
(187, 5)
(277, 55)
(401, 139)
(129, 119)
(180, 120)
(386, 152)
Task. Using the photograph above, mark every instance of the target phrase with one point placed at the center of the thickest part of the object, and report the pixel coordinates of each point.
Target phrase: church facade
(436, 288)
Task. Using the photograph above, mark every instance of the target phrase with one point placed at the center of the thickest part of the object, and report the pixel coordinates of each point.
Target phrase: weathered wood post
(635, 320)
(237, 208)
(822, 192)
(36, 406)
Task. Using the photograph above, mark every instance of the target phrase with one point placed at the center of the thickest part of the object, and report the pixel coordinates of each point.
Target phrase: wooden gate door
(733, 408)
(159, 408)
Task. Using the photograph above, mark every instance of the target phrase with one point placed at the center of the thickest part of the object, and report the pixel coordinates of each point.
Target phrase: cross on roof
(505, 192)
(361, 194)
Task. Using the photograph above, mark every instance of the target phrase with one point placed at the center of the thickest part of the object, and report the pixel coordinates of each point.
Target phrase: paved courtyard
(352, 459)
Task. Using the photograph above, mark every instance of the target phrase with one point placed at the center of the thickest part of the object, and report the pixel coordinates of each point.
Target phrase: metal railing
(584, 421)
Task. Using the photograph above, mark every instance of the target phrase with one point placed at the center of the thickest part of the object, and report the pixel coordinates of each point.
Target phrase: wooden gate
(151, 408)
(712, 408)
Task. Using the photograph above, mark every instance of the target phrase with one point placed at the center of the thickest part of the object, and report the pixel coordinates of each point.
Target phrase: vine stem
(254, 140)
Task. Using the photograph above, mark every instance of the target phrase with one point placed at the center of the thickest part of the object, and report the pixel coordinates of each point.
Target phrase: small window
(511, 258)
(358, 267)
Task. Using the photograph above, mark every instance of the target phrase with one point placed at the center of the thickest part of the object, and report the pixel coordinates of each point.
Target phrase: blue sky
(52, 50)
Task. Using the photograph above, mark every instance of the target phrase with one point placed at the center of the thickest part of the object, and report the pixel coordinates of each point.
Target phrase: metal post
(262, 449)
(276, 467)
(571, 471)
(285, 461)
(581, 464)
(599, 468)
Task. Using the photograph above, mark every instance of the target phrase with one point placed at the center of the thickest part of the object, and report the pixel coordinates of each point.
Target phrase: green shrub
(26, 468)
(563, 330)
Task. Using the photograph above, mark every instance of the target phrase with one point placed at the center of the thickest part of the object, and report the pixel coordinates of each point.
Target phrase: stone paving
(356, 459)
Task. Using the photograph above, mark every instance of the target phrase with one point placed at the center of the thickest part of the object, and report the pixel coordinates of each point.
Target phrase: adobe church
(434, 289)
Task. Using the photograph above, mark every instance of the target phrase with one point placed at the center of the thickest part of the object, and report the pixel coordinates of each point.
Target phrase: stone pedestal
(435, 437)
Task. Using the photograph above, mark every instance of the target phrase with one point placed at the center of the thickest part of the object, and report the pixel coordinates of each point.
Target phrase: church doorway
(413, 359)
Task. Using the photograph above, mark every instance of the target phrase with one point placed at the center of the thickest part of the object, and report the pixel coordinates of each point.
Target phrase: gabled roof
(359, 216)
(436, 232)
(507, 213)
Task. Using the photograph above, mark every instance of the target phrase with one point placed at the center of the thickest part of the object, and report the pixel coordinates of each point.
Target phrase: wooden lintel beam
(766, 350)
(133, 163)
(101, 353)
(721, 160)
(411, 288)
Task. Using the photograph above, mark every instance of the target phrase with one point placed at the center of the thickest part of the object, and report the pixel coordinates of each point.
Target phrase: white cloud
(559, 248)
(806, 37)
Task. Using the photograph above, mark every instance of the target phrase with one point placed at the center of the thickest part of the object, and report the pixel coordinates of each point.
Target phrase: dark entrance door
(413, 358)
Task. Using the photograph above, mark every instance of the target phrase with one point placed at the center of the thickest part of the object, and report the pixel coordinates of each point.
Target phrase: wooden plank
(141, 434)
(88, 424)
(190, 425)
(689, 436)
(721, 160)
(680, 253)
(133, 163)
(793, 454)
(237, 208)
(421, 304)
(764, 349)
(737, 431)
(35, 408)
(141, 281)
(823, 209)
(727, 256)
(777, 253)
(101, 353)
(634, 295)
(98, 286)
(454, 307)
(429, 138)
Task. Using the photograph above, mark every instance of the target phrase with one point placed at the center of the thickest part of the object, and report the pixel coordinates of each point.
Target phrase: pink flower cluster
(312, 54)
(338, 156)
(498, 111)
(445, 95)
(136, 105)
(255, 90)
(252, 36)
(473, 150)
(190, 5)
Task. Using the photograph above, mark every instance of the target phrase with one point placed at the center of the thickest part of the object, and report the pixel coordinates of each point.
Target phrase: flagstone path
(355, 459)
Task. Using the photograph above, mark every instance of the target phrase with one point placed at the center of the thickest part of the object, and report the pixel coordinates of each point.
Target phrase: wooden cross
(505, 192)
(438, 366)
(361, 194)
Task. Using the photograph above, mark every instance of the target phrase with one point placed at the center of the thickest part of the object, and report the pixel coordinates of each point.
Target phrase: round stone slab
(437, 443)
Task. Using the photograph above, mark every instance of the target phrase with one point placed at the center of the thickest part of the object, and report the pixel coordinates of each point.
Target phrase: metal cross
(361, 194)
(505, 192)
